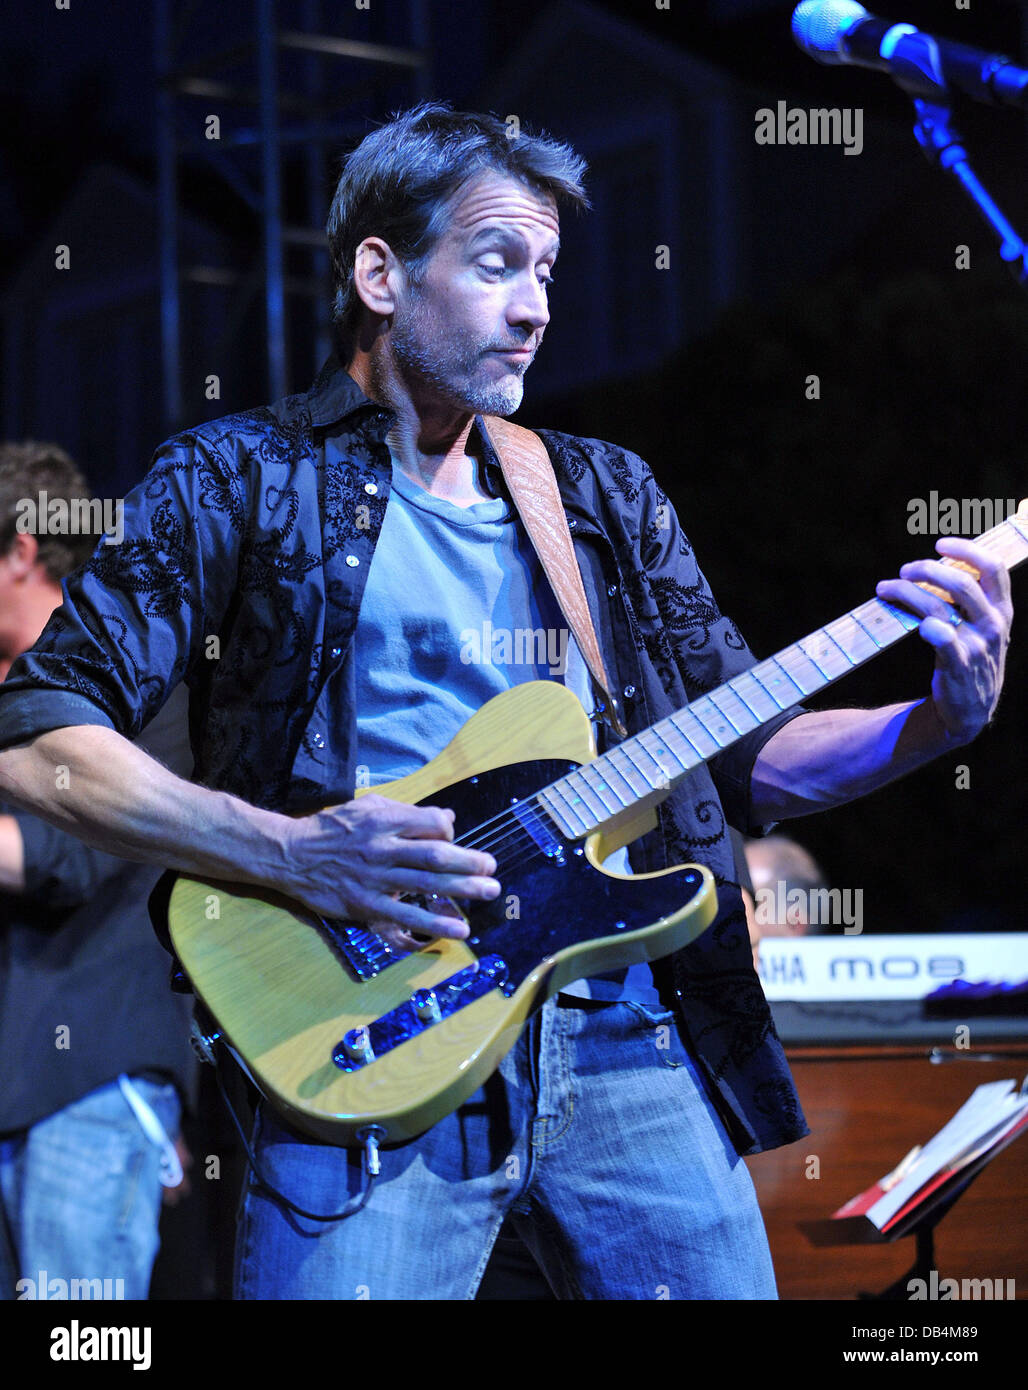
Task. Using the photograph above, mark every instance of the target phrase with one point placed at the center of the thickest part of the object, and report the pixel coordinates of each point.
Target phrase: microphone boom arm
(943, 147)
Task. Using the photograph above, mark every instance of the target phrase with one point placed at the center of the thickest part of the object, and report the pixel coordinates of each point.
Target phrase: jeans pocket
(650, 1015)
(654, 1021)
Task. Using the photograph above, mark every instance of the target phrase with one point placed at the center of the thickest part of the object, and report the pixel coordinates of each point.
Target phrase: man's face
(467, 334)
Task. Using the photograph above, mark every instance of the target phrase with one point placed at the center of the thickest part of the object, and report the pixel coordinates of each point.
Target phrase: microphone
(841, 31)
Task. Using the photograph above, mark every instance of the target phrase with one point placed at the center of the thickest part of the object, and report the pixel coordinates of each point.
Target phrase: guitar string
(510, 826)
(991, 541)
(515, 835)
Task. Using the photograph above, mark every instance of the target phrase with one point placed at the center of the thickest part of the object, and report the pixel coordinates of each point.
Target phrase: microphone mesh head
(820, 26)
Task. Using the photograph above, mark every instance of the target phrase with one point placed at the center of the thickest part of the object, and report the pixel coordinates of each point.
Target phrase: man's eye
(497, 270)
(548, 281)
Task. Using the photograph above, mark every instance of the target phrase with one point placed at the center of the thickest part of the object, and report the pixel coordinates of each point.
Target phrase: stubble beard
(449, 373)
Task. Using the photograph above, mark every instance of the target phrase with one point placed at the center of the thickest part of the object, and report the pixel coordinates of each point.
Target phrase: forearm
(828, 757)
(117, 798)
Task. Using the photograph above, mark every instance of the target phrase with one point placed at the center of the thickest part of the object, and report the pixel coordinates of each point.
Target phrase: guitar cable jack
(369, 1136)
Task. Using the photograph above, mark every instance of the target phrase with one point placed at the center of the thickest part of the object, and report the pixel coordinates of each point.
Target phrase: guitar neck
(641, 771)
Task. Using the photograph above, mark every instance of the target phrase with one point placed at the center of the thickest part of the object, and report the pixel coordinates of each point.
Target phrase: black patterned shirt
(245, 554)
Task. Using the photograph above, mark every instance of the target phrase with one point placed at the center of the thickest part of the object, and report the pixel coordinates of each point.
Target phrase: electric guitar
(340, 1032)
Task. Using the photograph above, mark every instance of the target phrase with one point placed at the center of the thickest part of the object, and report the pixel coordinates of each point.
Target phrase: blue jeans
(80, 1198)
(595, 1136)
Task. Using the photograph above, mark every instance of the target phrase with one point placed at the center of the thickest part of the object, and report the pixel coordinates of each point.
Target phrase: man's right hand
(356, 859)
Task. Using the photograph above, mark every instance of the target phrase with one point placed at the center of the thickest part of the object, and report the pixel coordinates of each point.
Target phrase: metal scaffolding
(283, 131)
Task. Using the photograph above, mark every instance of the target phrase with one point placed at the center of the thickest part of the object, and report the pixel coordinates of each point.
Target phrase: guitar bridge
(362, 950)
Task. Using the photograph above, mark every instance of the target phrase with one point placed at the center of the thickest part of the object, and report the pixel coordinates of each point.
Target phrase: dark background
(786, 261)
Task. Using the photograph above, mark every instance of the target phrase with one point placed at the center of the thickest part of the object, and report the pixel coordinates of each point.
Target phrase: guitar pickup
(535, 820)
(424, 1009)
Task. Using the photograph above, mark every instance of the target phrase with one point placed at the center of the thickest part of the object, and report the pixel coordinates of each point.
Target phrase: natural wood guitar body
(284, 995)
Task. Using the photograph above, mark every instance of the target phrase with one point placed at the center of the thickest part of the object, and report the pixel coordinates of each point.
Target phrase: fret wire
(703, 730)
(774, 660)
(841, 648)
(667, 773)
(566, 811)
(583, 772)
(693, 754)
(724, 712)
(876, 606)
(569, 812)
(609, 758)
(563, 823)
(798, 656)
(664, 774)
(857, 634)
(906, 620)
(620, 749)
(815, 663)
(623, 747)
(583, 786)
(870, 634)
(694, 710)
(752, 673)
(654, 731)
(673, 718)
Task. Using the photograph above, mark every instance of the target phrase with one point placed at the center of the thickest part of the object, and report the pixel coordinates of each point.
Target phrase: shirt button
(352, 560)
(572, 523)
(612, 589)
(371, 488)
(629, 692)
(318, 741)
(336, 653)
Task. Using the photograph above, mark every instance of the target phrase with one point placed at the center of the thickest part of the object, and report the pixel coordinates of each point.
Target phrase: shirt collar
(335, 395)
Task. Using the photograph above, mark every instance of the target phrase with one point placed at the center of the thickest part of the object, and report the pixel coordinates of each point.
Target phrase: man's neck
(429, 441)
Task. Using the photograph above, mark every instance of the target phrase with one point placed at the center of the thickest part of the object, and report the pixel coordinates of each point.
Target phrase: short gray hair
(398, 181)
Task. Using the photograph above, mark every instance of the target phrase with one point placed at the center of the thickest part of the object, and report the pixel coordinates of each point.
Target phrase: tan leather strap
(529, 476)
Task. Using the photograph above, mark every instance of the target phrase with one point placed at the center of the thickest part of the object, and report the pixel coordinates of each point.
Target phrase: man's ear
(377, 276)
(21, 555)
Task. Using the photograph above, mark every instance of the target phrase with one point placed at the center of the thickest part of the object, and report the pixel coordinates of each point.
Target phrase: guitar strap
(529, 475)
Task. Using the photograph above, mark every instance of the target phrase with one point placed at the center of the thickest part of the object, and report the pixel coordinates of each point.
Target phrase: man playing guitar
(308, 569)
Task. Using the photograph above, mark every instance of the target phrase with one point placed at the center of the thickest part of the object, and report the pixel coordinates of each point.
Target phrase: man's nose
(529, 306)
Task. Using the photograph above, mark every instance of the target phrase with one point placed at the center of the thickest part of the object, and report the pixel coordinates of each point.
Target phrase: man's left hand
(969, 658)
